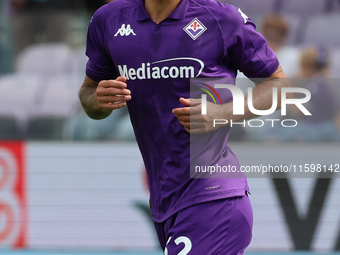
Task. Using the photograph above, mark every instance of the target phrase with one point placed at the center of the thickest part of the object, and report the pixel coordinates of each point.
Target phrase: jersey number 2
(181, 239)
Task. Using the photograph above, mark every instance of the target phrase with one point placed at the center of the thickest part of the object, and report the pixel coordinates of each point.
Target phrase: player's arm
(194, 122)
(99, 99)
(262, 95)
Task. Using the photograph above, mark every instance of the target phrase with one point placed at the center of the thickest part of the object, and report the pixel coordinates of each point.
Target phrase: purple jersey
(200, 38)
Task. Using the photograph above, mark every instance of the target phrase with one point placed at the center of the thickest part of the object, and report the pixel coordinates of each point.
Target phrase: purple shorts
(219, 227)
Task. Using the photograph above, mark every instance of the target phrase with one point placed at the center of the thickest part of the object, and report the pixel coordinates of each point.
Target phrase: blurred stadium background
(71, 185)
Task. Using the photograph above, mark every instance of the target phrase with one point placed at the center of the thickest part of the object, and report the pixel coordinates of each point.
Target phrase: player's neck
(160, 9)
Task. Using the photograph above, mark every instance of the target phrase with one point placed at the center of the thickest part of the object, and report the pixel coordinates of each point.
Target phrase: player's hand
(112, 94)
(193, 121)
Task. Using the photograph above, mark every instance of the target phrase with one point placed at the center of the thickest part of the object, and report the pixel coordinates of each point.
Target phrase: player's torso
(159, 60)
(169, 53)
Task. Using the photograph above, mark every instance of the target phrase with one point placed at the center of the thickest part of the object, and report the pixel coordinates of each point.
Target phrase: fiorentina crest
(195, 28)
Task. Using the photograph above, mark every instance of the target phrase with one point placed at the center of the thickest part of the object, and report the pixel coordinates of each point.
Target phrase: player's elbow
(95, 115)
(90, 108)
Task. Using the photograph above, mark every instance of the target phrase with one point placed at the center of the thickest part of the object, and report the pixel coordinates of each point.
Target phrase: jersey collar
(178, 13)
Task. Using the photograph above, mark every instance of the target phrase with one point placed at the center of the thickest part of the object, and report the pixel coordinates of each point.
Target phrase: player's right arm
(99, 99)
(101, 91)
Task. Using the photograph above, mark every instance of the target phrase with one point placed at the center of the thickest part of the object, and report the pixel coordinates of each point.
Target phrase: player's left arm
(194, 122)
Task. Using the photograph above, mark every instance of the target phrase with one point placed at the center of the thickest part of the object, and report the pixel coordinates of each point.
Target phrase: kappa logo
(195, 28)
(125, 31)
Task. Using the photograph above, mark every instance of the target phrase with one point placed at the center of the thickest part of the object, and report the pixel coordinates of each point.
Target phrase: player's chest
(137, 42)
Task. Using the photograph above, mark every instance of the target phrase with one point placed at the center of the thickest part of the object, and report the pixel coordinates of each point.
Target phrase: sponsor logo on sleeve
(244, 16)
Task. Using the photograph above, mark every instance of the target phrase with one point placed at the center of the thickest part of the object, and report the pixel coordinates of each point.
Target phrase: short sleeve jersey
(199, 39)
